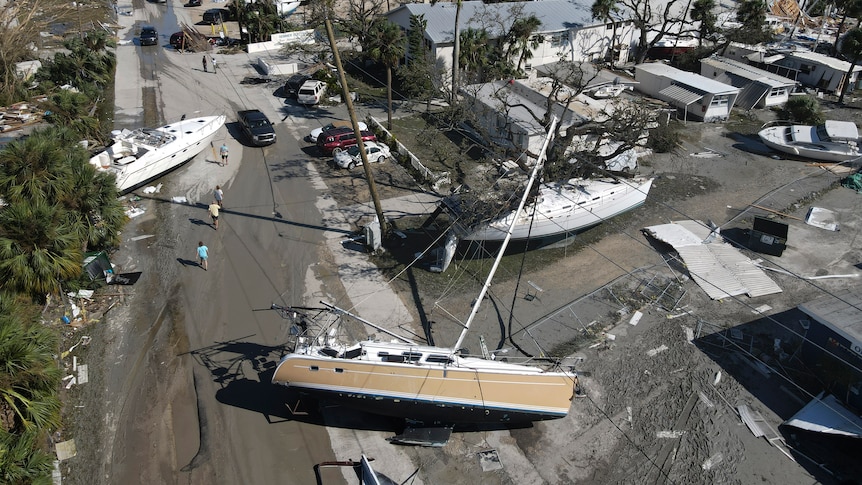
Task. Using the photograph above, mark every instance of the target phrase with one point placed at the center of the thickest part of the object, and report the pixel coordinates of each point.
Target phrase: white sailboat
(833, 141)
(139, 156)
(427, 383)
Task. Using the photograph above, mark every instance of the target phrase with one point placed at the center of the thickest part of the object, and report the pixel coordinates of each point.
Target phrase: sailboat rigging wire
(487, 284)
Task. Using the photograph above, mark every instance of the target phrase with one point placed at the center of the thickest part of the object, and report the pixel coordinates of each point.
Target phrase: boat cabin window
(386, 357)
(412, 356)
(353, 353)
(339, 370)
(438, 359)
(314, 368)
(329, 351)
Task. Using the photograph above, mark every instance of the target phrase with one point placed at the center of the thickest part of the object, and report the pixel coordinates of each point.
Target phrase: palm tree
(851, 48)
(386, 45)
(36, 168)
(702, 11)
(29, 406)
(93, 210)
(475, 53)
(603, 10)
(522, 39)
(456, 52)
(39, 248)
(848, 8)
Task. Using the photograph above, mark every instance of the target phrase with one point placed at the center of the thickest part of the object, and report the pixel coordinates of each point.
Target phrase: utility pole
(345, 92)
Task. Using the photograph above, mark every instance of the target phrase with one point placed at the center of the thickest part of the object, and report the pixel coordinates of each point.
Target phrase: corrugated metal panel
(679, 94)
(718, 268)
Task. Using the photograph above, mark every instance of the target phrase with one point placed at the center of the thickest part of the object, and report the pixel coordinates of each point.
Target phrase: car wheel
(336, 151)
(351, 165)
(381, 159)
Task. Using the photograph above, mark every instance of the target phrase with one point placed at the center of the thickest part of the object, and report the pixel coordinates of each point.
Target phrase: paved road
(187, 375)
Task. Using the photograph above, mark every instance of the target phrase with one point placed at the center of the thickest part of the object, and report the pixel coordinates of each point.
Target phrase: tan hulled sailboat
(425, 383)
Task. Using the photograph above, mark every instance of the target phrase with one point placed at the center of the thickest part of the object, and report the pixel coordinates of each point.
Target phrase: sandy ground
(180, 365)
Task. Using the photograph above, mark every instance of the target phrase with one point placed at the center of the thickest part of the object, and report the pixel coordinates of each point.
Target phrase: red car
(337, 139)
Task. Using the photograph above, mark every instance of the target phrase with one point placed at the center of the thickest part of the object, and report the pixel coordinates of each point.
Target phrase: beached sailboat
(139, 156)
(833, 141)
(426, 383)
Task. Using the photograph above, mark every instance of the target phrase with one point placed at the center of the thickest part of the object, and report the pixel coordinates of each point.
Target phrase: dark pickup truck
(257, 127)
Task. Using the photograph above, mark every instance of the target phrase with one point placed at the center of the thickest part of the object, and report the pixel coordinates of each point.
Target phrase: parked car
(215, 16)
(149, 36)
(311, 92)
(337, 139)
(257, 127)
(193, 3)
(376, 152)
(312, 137)
(291, 87)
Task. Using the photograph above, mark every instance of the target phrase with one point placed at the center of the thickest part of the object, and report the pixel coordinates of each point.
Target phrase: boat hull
(802, 141)
(135, 162)
(601, 201)
(430, 393)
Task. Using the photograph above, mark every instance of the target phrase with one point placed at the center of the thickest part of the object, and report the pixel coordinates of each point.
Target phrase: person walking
(215, 64)
(218, 194)
(204, 62)
(223, 152)
(214, 214)
(203, 254)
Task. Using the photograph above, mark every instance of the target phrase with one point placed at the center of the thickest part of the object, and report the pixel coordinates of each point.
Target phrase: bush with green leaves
(803, 110)
(665, 137)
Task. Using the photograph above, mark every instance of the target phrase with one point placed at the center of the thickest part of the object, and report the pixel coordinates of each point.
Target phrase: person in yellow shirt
(214, 213)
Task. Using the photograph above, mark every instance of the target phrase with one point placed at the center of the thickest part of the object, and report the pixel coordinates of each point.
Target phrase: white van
(311, 92)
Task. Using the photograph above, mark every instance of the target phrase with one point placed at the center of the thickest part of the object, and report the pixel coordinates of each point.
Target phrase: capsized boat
(565, 207)
(425, 383)
(139, 156)
(833, 141)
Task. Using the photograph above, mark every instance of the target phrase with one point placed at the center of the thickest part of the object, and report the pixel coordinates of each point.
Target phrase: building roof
(749, 72)
(841, 312)
(700, 83)
(555, 15)
(521, 100)
(831, 62)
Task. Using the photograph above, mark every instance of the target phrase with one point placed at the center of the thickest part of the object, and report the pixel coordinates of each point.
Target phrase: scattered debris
(822, 218)
(761, 309)
(717, 378)
(636, 318)
(85, 294)
(669, 434)
(83, 374)
(490, 460)
(179, 200)
(133, 212)
(145, 236)
(712, 461)
(704, 399)
(66, 449)
(657, 350)
(689, 334)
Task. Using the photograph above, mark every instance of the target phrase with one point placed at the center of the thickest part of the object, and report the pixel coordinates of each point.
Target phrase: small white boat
(833, 141)
(139, 156)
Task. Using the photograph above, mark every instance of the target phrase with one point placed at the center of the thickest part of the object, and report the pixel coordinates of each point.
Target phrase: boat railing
(777, 123)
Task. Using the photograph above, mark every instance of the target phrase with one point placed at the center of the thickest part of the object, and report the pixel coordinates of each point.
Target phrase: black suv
(257, 127)
(293, 84)
(215, 16)
(149, 36)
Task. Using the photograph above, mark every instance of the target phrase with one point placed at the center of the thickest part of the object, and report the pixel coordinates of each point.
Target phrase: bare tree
(20, 25)
(647, 22)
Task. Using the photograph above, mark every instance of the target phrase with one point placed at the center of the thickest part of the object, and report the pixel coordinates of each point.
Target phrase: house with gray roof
(820, 71)
(698, 97)
(758, 88)
(567, 28)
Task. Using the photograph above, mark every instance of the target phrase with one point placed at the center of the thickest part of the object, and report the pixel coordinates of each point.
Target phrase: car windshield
(258, 123)
(353, 151)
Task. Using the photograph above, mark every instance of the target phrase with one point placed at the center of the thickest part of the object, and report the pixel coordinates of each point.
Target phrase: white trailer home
(820, 71)
(698, 97)
(758, 88)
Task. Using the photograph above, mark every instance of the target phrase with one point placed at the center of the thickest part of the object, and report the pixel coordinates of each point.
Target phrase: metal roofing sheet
(717, 267)
(694, 81)
(748, 72)
(680, 94)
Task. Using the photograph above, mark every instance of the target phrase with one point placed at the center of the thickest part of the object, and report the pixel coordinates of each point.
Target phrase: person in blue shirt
(203, 254)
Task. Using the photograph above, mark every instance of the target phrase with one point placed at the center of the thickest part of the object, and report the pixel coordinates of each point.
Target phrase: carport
(680, 96)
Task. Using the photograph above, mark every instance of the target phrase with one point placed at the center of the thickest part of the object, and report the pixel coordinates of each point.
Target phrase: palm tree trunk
(457, 54)
(847, 81)
(389, 97)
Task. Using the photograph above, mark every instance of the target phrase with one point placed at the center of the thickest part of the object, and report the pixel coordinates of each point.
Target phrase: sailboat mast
(539, 162)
